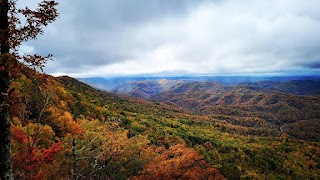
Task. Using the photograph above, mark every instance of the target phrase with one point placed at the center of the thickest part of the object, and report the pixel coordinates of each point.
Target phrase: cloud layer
(118, 37)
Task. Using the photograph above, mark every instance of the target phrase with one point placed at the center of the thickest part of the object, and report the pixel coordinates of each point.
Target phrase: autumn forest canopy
(195, 101)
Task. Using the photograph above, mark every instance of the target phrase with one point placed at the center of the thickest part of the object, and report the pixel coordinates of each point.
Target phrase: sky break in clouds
(218, 37)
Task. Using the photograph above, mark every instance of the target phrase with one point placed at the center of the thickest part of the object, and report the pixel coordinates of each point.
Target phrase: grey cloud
(111, 13)
(149, 36)
(94, 33)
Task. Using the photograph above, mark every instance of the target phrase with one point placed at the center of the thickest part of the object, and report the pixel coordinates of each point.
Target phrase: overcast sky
(219, 37)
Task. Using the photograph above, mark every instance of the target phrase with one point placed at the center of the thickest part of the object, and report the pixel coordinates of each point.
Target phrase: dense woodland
(266, 108)
(60, 128)
(253, 107)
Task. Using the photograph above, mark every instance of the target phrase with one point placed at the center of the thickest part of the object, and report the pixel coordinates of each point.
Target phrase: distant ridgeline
(298, 85)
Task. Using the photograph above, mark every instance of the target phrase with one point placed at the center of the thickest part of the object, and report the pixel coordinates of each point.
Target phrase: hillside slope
(295, 87)
(84, 132)
(247, 106)
(262, 107)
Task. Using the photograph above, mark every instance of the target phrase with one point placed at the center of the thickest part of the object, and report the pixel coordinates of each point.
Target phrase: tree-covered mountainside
(309, 87)
(262, 107)
(63, 129)
(205, 98)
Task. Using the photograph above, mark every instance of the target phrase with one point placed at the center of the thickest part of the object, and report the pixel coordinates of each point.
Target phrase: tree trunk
(5, 137)
(74, 170)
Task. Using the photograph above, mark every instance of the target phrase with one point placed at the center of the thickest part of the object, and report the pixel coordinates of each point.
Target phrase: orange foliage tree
(104, 151)
(179, 162)
(30, 159)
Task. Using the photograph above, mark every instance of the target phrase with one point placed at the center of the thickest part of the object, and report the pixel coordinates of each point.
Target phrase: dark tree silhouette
(13, 32)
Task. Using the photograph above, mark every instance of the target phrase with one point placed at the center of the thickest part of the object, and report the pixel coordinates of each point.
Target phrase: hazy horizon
(176, 75)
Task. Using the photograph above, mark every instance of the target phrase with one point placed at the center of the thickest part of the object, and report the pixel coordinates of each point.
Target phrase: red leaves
(48, 154)
(18, 135)
(32, 157)
(29, 161)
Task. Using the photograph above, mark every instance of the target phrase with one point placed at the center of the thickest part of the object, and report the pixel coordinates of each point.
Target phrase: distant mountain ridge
(147, 88)
(110, 83)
